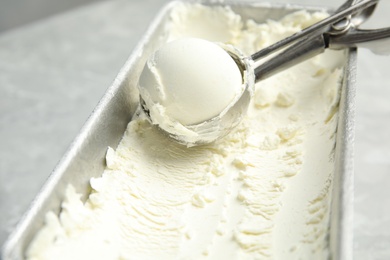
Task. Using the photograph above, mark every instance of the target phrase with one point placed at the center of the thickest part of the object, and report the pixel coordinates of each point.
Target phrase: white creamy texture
(262, 192)
(189, 81)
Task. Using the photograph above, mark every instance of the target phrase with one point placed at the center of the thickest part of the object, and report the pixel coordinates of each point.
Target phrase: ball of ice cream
(190, 80)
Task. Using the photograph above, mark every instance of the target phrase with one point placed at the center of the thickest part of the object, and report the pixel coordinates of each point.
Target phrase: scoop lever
(316, 38)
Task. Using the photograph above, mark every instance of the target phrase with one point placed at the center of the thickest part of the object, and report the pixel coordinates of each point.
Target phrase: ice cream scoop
(190, 81)
(197, 91)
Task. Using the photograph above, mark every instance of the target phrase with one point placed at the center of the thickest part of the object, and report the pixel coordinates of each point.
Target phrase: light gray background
(54, 71)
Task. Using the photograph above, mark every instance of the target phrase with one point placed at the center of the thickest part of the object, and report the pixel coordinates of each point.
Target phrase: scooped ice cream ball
(189, 81)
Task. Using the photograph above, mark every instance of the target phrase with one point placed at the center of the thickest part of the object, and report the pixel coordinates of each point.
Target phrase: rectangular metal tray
(86, 156)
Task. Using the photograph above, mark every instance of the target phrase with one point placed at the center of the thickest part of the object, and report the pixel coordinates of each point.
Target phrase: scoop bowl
(220, 125)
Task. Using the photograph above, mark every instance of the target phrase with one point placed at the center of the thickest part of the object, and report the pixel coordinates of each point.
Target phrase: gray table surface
(53, 73)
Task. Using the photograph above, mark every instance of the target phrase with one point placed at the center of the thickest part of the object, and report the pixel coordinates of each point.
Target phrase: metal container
(106, 125)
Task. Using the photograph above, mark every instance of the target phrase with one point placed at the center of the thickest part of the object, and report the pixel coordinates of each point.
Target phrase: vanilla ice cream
(262, 192)
(190, 80)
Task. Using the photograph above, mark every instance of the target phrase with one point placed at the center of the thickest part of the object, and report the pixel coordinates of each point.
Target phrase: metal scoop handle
(378, 41)
(315, 29)
(316, 38)
(293, 55)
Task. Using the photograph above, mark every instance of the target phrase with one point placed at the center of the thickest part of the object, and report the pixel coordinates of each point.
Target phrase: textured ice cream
(189, 80)
(262, 192)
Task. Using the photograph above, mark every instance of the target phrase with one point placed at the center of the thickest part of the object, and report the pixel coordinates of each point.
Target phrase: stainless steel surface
(341, 230)
(85, 158)
(53, 72)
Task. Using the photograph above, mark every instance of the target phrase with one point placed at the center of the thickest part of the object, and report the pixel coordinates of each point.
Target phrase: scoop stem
(315, 29)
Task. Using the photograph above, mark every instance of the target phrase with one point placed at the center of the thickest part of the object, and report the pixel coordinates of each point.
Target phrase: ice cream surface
(262, 192)
(189, 80)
